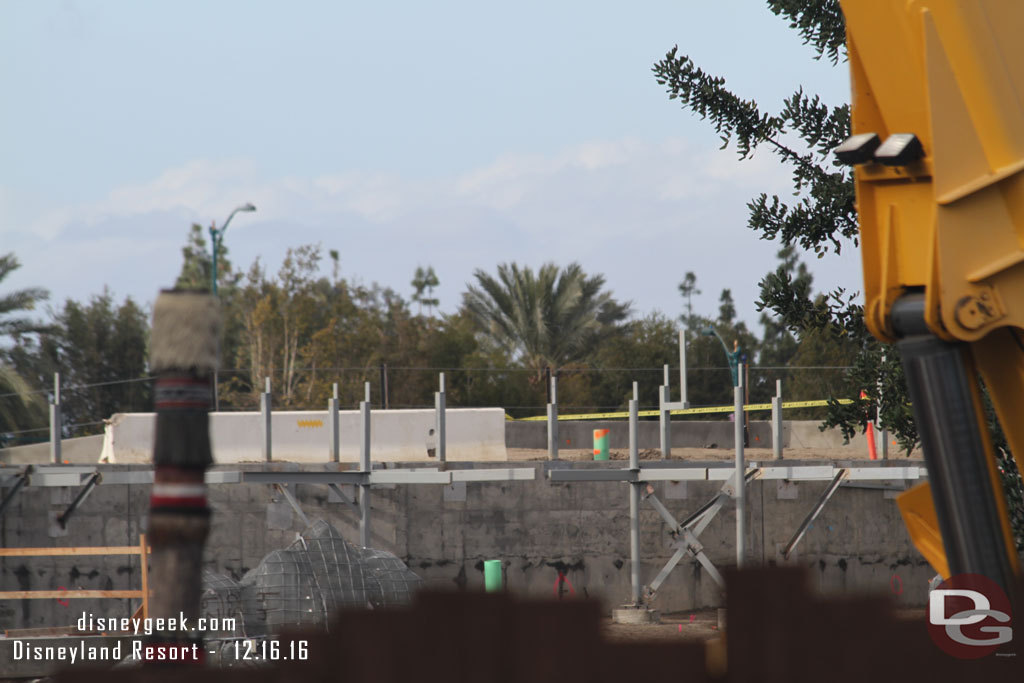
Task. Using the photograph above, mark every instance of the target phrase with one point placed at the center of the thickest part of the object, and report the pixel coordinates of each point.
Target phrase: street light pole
(732, 356)
(216, 238)
(734, 359)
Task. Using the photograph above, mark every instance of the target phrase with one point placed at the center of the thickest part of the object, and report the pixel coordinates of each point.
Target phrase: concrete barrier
(685, 434)
(76, 451)
(304, 436)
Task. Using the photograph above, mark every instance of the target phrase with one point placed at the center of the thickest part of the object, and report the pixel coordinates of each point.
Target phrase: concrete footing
(636, 615)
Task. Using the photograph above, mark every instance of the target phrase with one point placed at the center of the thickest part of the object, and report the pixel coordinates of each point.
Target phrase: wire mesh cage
(303, 584)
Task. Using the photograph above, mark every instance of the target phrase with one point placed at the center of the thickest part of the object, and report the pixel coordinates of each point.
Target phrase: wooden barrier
(141, 550)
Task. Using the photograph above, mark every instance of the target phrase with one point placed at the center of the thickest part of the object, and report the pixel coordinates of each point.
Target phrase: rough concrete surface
(556, 539)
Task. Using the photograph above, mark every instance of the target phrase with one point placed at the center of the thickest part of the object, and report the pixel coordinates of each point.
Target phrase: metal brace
(283, 488)
(344, 499)
(686, 533)
(815, 511)
(90, 484)
(15, 482)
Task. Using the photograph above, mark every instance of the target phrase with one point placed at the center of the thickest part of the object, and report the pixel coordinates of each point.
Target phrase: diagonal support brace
(344, 499)
(283, 488)
(815, 511)
(90, 484)
(686, 533)
(15, 482)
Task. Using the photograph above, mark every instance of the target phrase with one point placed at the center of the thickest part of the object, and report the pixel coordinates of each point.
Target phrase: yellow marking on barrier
(750, 407)
(310, 423)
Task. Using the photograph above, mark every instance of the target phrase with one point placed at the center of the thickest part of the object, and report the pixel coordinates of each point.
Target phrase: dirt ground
(698, 625)
(724, 454)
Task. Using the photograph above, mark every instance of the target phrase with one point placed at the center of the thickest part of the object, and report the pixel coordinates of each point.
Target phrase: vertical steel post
(439, 421)
(682, 369)
(332, 410)
(665, 417)
(384, 398)
(634, 498)
(777, 421)
(366, 465)
(214, 245)
(741, 472)
(553, 419)
(881, 434)
(56, 422)
(265, 414)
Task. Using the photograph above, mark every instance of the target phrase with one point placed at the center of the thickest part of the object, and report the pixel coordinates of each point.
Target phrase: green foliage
(20, 408)
(820, 23)
(95, 347)
(820, 217)
(423, 283)
(550, 318)
(13, 304)
(688, 290)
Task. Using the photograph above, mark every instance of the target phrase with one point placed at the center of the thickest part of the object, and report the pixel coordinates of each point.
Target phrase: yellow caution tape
(750, 407)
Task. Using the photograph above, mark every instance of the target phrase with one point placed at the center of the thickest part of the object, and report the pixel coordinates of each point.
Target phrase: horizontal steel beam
(673, 474)
(594, 475)
(789, 472)
(76, 476)
(304, 477)
(409, 477)
(805, 473)
(496, 474)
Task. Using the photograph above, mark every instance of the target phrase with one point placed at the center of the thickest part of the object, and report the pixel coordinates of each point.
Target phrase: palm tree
(16, 400)
(547, 319)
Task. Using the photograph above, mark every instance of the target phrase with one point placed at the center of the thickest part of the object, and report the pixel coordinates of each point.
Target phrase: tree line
(308, 329)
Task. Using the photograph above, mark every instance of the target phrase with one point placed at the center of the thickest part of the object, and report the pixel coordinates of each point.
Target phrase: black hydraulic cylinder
(954, 448)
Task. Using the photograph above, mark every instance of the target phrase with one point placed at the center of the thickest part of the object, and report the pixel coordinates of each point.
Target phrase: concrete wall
(476, 434)
(804, 434)
(76, 451)
(445, 533)
(472, 435)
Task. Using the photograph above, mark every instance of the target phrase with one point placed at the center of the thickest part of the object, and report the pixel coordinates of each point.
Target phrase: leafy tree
(688, 289)
(726, 308)
(778, 344)
(649, 343)
(545, 319)
(425, 281)
(100, 350)
(822, 216)
(19, 407)
(278, 318)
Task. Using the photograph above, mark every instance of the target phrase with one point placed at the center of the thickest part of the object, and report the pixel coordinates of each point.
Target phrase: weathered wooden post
(183, 356)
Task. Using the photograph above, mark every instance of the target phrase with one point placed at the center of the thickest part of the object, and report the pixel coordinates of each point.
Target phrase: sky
(454, 134)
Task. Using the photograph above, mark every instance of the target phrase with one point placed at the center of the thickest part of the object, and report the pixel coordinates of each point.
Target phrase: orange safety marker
(870, 434)
(601, 444)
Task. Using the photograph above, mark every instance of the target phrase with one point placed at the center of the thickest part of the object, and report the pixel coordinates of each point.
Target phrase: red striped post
(186, 326)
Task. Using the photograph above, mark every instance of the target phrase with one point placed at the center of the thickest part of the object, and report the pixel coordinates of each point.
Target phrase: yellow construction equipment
(938, 150)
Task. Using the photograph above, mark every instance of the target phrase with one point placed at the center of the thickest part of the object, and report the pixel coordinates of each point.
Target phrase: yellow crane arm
(938, 150)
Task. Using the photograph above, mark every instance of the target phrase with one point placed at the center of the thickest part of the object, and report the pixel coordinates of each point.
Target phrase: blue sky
(453, 134)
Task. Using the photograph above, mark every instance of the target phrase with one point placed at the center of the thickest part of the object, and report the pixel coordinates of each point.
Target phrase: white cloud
(643, 213)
